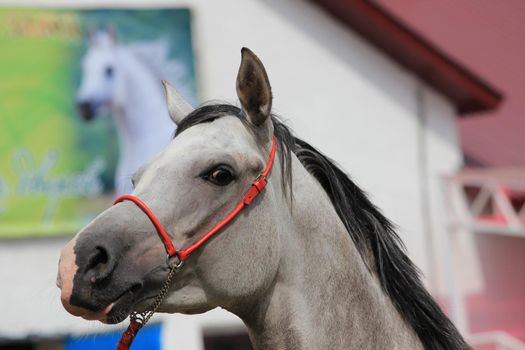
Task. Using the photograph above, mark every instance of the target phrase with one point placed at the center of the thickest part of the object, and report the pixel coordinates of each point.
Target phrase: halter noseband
(139, 320)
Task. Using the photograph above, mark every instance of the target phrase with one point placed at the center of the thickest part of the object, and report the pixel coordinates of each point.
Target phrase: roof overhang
(468, 92)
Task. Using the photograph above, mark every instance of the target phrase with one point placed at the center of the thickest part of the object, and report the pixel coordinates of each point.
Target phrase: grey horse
(310, 264)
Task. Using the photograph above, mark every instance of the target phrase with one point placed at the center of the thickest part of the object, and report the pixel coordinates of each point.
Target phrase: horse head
(117, 263)
(99, 73)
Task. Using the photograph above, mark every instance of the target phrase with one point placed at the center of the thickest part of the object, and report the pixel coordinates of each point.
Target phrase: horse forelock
(372, 233)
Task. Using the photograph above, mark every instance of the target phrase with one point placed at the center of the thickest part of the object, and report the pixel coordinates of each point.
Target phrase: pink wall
(487, 37)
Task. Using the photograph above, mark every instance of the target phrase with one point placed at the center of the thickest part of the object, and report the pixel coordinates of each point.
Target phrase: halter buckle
(257, 187)
(260, 182)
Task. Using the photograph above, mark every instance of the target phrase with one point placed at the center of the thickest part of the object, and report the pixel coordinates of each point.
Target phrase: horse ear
(91, 34)
(112, 32)
(253, 88)
(178, 108)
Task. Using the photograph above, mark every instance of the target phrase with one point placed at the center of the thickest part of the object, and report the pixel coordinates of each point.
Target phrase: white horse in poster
(126, 80)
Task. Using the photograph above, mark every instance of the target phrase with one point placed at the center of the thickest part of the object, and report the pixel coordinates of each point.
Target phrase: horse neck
(323, 296)
(140, 105)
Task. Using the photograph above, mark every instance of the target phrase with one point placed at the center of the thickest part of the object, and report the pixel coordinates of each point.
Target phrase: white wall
(443, 158)
(334, 89)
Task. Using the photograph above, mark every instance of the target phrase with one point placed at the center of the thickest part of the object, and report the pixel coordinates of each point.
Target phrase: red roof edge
(468, 92)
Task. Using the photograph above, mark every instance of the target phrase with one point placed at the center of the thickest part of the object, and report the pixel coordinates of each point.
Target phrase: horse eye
(109, 72)
(220, 176)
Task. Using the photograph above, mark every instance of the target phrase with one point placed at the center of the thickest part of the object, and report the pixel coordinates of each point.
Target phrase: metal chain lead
(143, 317)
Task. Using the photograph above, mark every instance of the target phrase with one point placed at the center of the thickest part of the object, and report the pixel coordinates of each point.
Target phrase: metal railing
(485, 201)
(499, 339)
(482, 201)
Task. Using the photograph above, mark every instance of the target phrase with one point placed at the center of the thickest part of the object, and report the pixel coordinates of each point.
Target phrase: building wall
(494, 138)
(443, 157)
(333, 88)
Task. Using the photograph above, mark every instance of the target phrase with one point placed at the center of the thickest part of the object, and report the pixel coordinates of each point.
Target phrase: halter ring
(178, 264)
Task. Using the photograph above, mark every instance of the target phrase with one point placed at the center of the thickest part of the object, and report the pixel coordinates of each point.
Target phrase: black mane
(366, 225)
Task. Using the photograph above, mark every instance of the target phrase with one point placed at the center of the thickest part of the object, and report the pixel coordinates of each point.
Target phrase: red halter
(257, 187)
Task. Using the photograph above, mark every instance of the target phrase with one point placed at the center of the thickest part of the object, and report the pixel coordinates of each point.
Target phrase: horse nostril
(86, 110)
(100, 265)
(99, 257)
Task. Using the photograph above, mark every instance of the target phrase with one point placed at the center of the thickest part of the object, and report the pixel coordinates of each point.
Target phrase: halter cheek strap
(256, 188)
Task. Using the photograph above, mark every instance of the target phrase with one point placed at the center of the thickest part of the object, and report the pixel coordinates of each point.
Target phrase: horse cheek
(246, 263)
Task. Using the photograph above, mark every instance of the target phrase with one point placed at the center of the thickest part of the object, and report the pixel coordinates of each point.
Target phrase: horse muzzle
(86, 110)
(104, 272)
(67, 271)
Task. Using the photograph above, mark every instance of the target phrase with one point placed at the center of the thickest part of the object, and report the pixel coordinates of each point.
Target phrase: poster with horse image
(82, 107)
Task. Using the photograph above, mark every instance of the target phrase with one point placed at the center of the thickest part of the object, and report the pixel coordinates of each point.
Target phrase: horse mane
(372, 233)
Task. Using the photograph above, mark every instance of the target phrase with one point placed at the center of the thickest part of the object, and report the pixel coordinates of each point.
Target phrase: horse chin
(138, 297)
(124, 305)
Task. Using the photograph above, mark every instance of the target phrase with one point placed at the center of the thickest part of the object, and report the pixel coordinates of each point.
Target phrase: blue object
(147, 339)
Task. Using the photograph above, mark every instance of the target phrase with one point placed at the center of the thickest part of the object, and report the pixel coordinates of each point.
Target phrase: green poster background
(56, 172)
